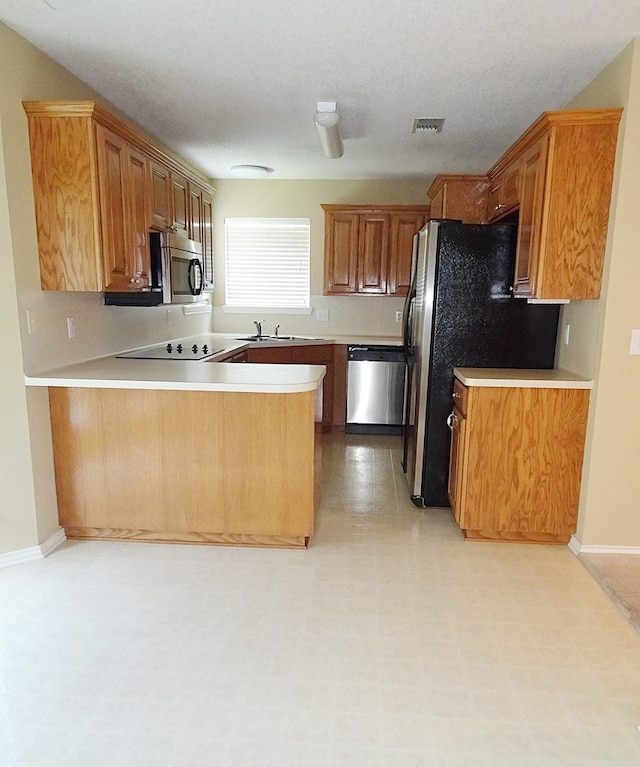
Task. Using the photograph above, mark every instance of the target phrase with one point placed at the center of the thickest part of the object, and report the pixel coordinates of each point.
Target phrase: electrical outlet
(398, 316)
(565, 334)
(31, 322)
(71, 327)
(322, 315)
(634, 347)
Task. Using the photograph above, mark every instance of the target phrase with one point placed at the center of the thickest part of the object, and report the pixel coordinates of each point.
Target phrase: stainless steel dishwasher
(375, 389)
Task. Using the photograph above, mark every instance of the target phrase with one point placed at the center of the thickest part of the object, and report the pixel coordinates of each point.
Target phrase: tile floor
(390, 642)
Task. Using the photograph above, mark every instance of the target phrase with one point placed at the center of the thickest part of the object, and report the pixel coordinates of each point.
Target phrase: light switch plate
(634, 347)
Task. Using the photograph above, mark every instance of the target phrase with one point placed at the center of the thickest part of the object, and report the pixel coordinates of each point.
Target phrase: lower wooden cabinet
(313, 354)
(516, 461)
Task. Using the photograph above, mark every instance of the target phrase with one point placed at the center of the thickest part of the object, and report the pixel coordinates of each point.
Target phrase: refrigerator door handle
(407, 339)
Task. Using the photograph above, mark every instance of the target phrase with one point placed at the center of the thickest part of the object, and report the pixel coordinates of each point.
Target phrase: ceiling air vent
(428, 125)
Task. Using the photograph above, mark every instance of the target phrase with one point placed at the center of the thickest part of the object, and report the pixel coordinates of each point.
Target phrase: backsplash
(99, 329)
(348, 315)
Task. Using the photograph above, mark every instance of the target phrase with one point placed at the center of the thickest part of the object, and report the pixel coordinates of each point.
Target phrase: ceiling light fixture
(250, 171)
(327, 122)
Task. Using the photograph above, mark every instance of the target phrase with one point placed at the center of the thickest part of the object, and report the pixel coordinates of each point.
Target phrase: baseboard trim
(32, 553)
(582, 548)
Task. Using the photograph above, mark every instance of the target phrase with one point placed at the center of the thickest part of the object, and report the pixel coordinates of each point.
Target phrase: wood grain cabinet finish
(246, 475)
(559, 176)
(312, 354)
(368, 249)
(459, 197)
(516, 462)
(99, 187)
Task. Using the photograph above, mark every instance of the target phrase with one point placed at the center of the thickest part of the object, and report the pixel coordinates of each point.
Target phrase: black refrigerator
(460, 312)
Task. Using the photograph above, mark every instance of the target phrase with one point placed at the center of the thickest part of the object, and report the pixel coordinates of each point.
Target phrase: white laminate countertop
(517, 377)
(202, 375)
(197, 375)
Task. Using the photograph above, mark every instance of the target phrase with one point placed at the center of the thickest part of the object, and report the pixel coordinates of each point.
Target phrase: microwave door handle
(194, 277)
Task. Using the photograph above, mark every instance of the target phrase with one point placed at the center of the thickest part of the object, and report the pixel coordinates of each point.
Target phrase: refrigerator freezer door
(421, 332)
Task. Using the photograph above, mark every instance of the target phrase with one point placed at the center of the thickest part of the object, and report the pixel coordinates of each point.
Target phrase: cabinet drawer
(460, 396)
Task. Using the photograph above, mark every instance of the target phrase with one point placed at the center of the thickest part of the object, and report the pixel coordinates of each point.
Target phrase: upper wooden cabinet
(459, 197)
(368, 249)
(99, 187)
(558, 176)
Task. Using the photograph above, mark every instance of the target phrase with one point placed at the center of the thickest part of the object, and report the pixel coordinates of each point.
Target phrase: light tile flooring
(389, 642)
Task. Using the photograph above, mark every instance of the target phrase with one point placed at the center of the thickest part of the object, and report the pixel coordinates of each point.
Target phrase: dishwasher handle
(375, 354)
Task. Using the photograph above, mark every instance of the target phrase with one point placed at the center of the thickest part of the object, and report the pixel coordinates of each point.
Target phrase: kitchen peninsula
(185, 452)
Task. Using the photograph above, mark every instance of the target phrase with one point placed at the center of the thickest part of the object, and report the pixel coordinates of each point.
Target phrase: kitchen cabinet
(504, 191)
(123, 184)
(368, 249)
(556, 181)
(516, 461)
(99, 187)
(459, 197)
(311, 354)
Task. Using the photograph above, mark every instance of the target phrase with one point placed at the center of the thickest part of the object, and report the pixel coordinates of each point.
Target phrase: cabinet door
(277, 355)
(504, 191)
(207, 240)
(160, 197)
(194, 224)
(437, 204)
(320, 354)
(457, 424)
(341, 252)
(180, 203)
(403, 228)
(373, 253)
(530, 217)
(138, 215)
(112, 154)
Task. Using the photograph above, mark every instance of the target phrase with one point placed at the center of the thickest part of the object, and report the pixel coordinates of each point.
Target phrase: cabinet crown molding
(93, 111)
(550, 120)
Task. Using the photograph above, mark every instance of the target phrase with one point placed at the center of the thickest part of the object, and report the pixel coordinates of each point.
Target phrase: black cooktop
(174, 350)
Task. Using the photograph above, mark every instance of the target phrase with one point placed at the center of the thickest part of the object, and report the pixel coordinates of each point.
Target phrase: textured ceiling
(226, 82)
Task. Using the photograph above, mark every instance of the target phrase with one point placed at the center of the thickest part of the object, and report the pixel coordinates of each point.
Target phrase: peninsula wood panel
(522, 460)
(198, 466)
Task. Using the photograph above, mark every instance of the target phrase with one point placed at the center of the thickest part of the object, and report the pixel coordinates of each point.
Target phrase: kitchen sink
(277, 338)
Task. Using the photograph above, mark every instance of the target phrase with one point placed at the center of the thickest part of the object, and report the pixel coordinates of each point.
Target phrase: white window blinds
(267, 262)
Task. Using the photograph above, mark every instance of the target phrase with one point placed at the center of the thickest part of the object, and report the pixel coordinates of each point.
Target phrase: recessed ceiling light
(250, 171)
(428, 125)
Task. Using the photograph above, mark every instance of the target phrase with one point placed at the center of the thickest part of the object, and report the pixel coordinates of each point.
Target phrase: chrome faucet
(258, 328)
(277, 328)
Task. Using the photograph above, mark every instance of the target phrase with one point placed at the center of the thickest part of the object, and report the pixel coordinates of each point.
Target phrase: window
(267, 262)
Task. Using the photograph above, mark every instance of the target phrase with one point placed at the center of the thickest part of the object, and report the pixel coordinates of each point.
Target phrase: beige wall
(601, 331)
(348, 315)
(28, 512)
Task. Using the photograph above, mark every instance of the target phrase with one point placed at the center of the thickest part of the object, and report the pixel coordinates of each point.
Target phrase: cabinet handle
(456, 395)
(451, 421)
(136, 280)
